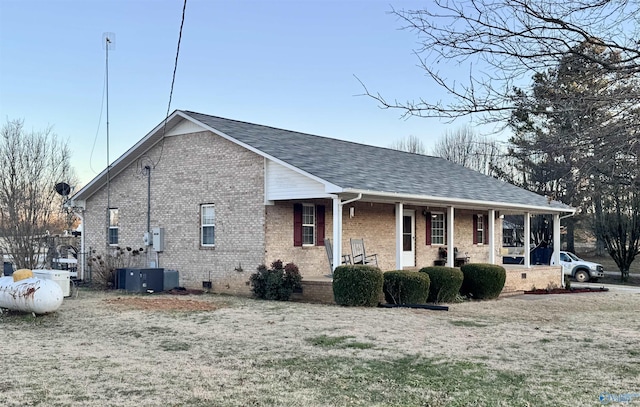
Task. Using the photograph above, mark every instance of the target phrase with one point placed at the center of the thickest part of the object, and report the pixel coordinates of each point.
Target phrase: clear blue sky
(287, 64)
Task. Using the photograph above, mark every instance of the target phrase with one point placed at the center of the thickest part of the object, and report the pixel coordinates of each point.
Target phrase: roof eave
(458, 202)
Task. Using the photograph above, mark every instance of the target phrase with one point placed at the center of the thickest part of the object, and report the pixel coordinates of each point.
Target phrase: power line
(104, 87)
(173, 79)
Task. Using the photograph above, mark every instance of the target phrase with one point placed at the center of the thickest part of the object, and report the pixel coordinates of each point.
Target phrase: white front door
(409, 238)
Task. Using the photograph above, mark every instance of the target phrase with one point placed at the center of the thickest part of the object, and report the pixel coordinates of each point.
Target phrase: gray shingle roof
(358, 166)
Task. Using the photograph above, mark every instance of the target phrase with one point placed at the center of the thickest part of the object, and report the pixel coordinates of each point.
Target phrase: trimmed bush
(357, 285)
(405, 287)
(445, 283)
(483, 281)
(276, 283)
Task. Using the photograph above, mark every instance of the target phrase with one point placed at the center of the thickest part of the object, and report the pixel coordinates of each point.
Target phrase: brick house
(230, 195)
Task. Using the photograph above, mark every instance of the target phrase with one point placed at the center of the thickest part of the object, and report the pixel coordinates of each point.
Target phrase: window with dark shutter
(308, 225)
(428, 229)
(297, 224)
(320, 225)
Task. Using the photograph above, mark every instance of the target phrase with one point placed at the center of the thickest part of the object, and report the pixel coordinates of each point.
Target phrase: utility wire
(173, 79)
(104, 87)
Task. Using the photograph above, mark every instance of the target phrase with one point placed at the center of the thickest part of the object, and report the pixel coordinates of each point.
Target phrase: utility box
(158, 239)
(61, 277)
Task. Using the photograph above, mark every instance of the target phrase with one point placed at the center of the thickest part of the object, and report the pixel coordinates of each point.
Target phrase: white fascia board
(330, 188)
(456, 202)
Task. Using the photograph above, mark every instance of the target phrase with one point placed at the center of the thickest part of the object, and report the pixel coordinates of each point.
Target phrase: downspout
(83, 253)
(148, 169)
(337, 228)
(148, 198)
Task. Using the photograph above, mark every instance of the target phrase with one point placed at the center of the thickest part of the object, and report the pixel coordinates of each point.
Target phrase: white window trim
(480, 228)
(203, 225)
(312, 225)
(444, 229)
(115, 227)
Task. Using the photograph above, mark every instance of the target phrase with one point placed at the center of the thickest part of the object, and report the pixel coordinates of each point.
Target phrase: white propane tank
(30, 295)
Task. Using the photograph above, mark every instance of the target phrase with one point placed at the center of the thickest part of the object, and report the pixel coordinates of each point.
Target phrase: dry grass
(108, 348)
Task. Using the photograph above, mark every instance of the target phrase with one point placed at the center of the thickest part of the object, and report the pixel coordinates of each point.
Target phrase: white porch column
(556, 245)
(337, 232)
(450, 227)
(399, 215)
(492, 236)
(527, 239)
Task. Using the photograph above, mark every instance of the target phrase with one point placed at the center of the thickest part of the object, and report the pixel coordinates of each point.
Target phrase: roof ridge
(311, 135)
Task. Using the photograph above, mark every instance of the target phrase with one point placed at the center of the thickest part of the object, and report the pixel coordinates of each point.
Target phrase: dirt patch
(164, 303)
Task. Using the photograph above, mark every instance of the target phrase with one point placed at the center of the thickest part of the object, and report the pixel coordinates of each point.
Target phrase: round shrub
(357, 285)
(277, 282)
(445, 283)
(405, 287)
(483, 281)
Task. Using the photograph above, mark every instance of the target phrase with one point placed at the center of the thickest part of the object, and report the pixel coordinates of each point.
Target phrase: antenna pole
(108, 43)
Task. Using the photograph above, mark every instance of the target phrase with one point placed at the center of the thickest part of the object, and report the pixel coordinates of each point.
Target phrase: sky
(286, 64)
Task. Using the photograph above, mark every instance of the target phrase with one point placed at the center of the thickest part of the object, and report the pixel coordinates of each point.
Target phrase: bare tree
(410, 144)
(464, 147)
(31, 163)
(502, 42)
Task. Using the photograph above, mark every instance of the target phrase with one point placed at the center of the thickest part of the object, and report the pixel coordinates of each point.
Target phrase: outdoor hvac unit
(62, 277)
(171, 279)
(141, 280)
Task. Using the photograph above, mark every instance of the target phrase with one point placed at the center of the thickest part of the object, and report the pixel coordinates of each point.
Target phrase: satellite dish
(63, 188)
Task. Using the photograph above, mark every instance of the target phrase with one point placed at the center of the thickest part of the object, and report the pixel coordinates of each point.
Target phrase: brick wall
(375, 223)
(191, 170)
(520, 278)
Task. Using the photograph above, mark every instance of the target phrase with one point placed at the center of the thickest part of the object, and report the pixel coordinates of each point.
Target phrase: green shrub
(276, 283)
(405, 287)
(357, 285)
(483, 281)
(445, 283)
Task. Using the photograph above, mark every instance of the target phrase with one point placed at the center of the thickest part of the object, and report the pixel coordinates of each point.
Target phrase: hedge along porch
(250, 194)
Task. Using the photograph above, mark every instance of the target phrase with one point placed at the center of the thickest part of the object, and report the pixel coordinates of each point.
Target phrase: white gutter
(357, 198)
(459, 202)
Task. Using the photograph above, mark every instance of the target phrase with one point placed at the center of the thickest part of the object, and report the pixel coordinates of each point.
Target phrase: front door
(409, 238)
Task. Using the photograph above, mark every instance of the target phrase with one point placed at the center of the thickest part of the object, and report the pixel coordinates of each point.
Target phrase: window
(113, 226)
(308, 225)
(438, 228)
(479, 229)
(207, 225)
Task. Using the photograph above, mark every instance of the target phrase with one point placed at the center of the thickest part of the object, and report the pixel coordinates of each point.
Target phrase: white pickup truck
(579, 269)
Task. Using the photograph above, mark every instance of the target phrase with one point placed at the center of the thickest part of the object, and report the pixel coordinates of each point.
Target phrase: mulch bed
(541, 291)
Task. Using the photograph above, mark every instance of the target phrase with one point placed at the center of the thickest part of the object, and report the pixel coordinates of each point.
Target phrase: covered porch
(421, 229)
